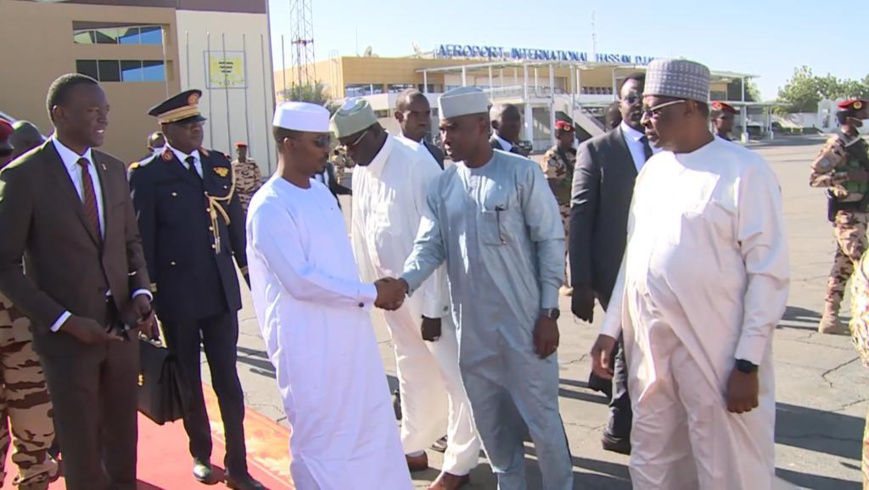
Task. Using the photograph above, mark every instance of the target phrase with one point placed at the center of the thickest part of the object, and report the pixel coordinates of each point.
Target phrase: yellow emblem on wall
(221, 171)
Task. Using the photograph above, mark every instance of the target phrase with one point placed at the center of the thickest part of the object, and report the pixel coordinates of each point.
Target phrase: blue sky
(768, 38)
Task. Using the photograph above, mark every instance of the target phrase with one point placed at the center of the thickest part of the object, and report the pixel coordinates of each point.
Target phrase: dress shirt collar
(182, 157)
(69, 157)
(505, 145)
(631, 133)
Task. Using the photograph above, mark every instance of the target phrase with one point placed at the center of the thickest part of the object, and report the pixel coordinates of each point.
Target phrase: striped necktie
(89, 197)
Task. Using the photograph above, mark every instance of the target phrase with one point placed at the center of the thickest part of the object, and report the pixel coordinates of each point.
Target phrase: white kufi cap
(463, 101)
(302, 116)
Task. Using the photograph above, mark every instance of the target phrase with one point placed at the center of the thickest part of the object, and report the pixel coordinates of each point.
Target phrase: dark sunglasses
(322, 141)
(633, 98)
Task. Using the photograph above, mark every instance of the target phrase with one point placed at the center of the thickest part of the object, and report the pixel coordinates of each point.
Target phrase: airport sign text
(500, 53)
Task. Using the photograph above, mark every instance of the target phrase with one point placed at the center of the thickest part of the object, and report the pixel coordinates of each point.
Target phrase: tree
(801, 92)
(734, 91)
(804, 90)
(316, 93)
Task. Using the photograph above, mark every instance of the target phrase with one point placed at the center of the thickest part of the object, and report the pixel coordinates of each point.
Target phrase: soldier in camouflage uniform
(24, 400)
(339, 163)
(860, 337)
(558, 163)
(248, 178)
(842, 167)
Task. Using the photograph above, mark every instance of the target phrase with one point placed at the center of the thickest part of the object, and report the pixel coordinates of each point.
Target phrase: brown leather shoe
(417, 463)
(448, 481)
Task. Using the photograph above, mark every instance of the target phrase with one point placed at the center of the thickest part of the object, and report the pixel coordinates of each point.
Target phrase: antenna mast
(593, 38)
(302, 38)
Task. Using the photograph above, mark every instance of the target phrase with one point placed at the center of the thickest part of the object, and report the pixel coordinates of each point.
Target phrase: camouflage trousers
(564, 209)
(24, 403)
(849, 228)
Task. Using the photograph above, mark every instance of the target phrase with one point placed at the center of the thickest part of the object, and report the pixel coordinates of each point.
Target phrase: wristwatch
(552, 313)
(744, 366)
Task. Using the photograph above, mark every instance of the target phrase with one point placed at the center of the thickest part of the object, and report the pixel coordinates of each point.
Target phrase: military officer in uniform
(860, 338)
(842, 167)
(192, 226)
(248, 178)
(557, 164)
(722, 116)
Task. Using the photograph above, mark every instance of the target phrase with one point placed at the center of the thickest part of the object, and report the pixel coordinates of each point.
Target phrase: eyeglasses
(322, 141)
(358, 140)
(633, 97)
(654, 112)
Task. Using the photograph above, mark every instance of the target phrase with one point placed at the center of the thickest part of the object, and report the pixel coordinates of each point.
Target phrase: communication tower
(302, 39)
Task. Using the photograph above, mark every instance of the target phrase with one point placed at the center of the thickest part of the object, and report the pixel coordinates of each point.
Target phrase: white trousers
(433, 398)
(683, 437)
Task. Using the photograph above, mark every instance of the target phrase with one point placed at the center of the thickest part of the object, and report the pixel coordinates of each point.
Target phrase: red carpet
(165, 464)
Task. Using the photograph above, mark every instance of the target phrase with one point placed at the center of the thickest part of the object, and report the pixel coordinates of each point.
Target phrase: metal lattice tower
(302, 38)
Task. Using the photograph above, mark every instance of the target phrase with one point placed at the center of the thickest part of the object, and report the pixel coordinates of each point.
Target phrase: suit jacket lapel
(102, 170)
(61, 177)
(622, 143)
(179, 168)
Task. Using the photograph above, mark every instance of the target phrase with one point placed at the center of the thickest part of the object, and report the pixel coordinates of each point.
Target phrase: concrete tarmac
(821, 385)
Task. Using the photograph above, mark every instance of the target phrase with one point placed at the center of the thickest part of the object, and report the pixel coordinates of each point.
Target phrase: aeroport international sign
(520, 54)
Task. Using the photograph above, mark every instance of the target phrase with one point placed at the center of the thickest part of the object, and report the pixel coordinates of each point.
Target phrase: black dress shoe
(244, 482)
(621, 445)
(202, 471)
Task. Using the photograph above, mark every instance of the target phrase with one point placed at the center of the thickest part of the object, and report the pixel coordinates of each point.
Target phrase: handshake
(390, 293)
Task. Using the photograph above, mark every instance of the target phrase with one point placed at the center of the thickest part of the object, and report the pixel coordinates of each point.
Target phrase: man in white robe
(494, 221)
(390, 185)
(314, 315)
(703, 283)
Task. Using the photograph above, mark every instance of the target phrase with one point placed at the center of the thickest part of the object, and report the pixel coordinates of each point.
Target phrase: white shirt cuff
(60, 321)
(143, 291)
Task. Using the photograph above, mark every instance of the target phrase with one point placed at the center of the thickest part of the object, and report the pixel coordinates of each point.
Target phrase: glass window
(83, 37)
(151, 35)
(153, 71)
(118, 34)
(106, 36)
(131, 71)
(109, 70)
(87, 67)
(129, 35)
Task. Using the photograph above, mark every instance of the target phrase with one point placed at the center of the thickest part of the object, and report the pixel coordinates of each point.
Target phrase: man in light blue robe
(496, 224)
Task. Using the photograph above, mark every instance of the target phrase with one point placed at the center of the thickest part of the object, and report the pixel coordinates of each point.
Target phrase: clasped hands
(390, 293)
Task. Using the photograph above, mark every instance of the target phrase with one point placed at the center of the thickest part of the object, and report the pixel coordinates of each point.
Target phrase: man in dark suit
(65, 208)
(506, 127)
(192, 226)
(413, 113)
(603, 185)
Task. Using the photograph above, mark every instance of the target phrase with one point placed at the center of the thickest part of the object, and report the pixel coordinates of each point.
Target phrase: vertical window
(131, 71)
(109, 70)
(87, 67)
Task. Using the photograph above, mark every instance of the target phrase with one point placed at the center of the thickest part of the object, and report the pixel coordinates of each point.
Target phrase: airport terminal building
(142, 51)
(548, 85)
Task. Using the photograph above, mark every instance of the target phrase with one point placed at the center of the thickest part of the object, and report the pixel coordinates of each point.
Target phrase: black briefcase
(162, 388)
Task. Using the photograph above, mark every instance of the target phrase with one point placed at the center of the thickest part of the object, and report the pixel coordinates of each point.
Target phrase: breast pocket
(492, 224)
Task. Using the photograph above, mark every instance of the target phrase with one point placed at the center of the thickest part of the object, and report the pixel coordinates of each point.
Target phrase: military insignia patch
(221, 171)
(858, 105)
(168, 156)
(193, 99)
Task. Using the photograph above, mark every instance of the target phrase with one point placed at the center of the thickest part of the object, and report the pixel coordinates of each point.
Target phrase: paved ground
(821, 385)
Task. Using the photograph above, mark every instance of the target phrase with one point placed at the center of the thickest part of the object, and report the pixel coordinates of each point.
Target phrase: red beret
(241, 144)
(854, 104)
(563, 126)
(5, 129)
(724, 107)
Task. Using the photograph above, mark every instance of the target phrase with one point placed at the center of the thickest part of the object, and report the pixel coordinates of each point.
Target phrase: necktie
(89, 196)
(647, 149)
(191, 167)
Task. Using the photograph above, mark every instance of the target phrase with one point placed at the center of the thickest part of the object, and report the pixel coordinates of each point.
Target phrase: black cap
(183, 107)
